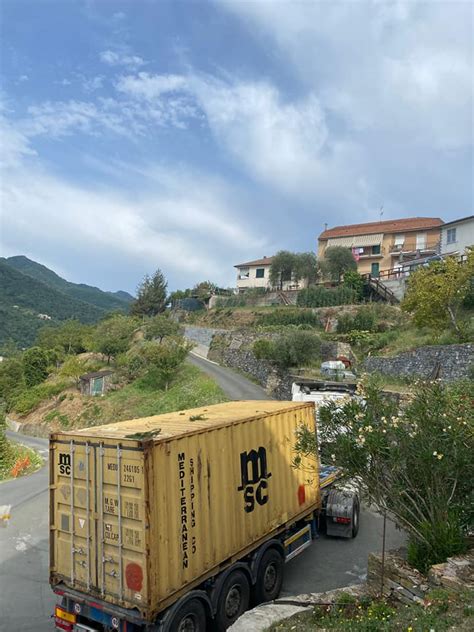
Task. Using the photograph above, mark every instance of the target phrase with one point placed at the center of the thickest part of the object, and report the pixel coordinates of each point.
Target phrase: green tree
(292, 266)
(159, 362)
(436, 293)
(151, 295)
(282, 268)
(337, 261)
(204, 289)
(113, 335)
(160, 326)
(307, 267)
(12, 379)
(73, 367)
(35, 366)
(71, 335)
(413, 463)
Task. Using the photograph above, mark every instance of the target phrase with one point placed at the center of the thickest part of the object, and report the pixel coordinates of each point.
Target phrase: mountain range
(32, 295)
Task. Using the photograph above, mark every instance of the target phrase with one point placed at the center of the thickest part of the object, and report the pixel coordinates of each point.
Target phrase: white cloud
(116, 58)
(181, 220)
(150, 86)
(282, 143)
(383, 66)
(15, 145)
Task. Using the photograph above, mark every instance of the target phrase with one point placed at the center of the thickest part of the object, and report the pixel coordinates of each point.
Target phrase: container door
(121, 560)
(73, 546)
(98, 520)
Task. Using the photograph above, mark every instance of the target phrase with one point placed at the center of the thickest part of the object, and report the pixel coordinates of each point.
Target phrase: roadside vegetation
(15, 459)
(443, 610)
(145, 355)
(412, 462)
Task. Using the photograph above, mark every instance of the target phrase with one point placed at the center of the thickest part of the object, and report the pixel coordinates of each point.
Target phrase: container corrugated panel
(174, 498)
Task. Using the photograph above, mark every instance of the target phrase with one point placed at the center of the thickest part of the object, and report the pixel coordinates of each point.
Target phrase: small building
(95, 383)
(256, 274)
(384, 245)
(457, 236)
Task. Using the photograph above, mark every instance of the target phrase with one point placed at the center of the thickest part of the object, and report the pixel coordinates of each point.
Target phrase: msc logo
(64, 463)
(254, 476)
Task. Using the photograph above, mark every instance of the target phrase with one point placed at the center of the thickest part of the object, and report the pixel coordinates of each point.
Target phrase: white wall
(464, 237)
(252, 280)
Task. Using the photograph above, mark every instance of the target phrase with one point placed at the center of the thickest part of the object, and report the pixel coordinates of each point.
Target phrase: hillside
(22, 298)
(109, 301)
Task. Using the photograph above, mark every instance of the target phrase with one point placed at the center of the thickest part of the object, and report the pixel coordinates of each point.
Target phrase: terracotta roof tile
(258, 262)
(387, 226)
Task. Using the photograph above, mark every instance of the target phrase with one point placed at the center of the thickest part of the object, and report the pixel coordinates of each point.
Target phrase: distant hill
(110, 301)
(24, 298)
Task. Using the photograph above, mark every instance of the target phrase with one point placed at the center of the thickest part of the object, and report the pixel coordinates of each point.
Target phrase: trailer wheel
(269, 577)
(233, 600)
(191, 617)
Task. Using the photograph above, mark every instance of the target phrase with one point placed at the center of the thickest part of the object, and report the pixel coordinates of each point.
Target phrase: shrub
(263, 349)
(323, 297)
(354, 280)
(28, 400)
(365, 319)
(296, 348)
(415, 464)
(345, 324)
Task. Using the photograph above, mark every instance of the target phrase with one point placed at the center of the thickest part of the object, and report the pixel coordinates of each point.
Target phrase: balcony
(411, 246)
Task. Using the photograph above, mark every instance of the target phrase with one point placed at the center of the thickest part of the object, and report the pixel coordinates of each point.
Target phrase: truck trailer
(182, 521)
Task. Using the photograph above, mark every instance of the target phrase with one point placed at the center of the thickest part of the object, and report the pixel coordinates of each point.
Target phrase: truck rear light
(341, 520)
(63, 625)
(63, 619)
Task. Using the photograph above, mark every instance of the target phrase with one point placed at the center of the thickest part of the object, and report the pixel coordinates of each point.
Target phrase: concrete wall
(454, 361)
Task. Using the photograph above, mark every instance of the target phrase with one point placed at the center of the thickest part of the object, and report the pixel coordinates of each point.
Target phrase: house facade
(381, 246)
(457, 235)
(256, 274)
(253, 274)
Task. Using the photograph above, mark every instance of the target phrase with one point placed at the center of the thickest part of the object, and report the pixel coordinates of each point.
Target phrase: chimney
(325, 226)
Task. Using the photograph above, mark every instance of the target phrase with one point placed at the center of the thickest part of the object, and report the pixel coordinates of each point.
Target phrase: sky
(191, 136)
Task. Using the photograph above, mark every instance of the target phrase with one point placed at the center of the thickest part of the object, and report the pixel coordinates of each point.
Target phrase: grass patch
(190, 389)
(17, 460)
(445, 612)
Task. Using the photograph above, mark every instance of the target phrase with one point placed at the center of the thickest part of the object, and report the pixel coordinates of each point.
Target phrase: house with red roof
(384, 245)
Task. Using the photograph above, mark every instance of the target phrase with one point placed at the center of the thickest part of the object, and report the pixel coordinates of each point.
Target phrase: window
(421, 241)
(399, 240)
(451, 236)
(244, 273)
(376, 250)
(260, 273)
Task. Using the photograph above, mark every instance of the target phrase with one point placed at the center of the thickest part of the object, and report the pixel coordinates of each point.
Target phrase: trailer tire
(191, 617)
(233, 601)
(269, 577)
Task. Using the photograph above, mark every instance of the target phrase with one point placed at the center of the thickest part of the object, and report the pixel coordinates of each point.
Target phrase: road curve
(234, 385)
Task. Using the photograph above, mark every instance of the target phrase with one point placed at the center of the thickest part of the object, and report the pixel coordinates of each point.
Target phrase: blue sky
(192, 136)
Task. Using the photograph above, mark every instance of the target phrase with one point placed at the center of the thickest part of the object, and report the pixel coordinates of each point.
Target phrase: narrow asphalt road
(26, 601)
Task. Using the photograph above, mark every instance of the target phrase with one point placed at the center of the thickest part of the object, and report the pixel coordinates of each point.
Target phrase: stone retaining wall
(454, 362)
(407, 585)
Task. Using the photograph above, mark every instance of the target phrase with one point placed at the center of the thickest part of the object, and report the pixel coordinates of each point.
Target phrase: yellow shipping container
(144, 510)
